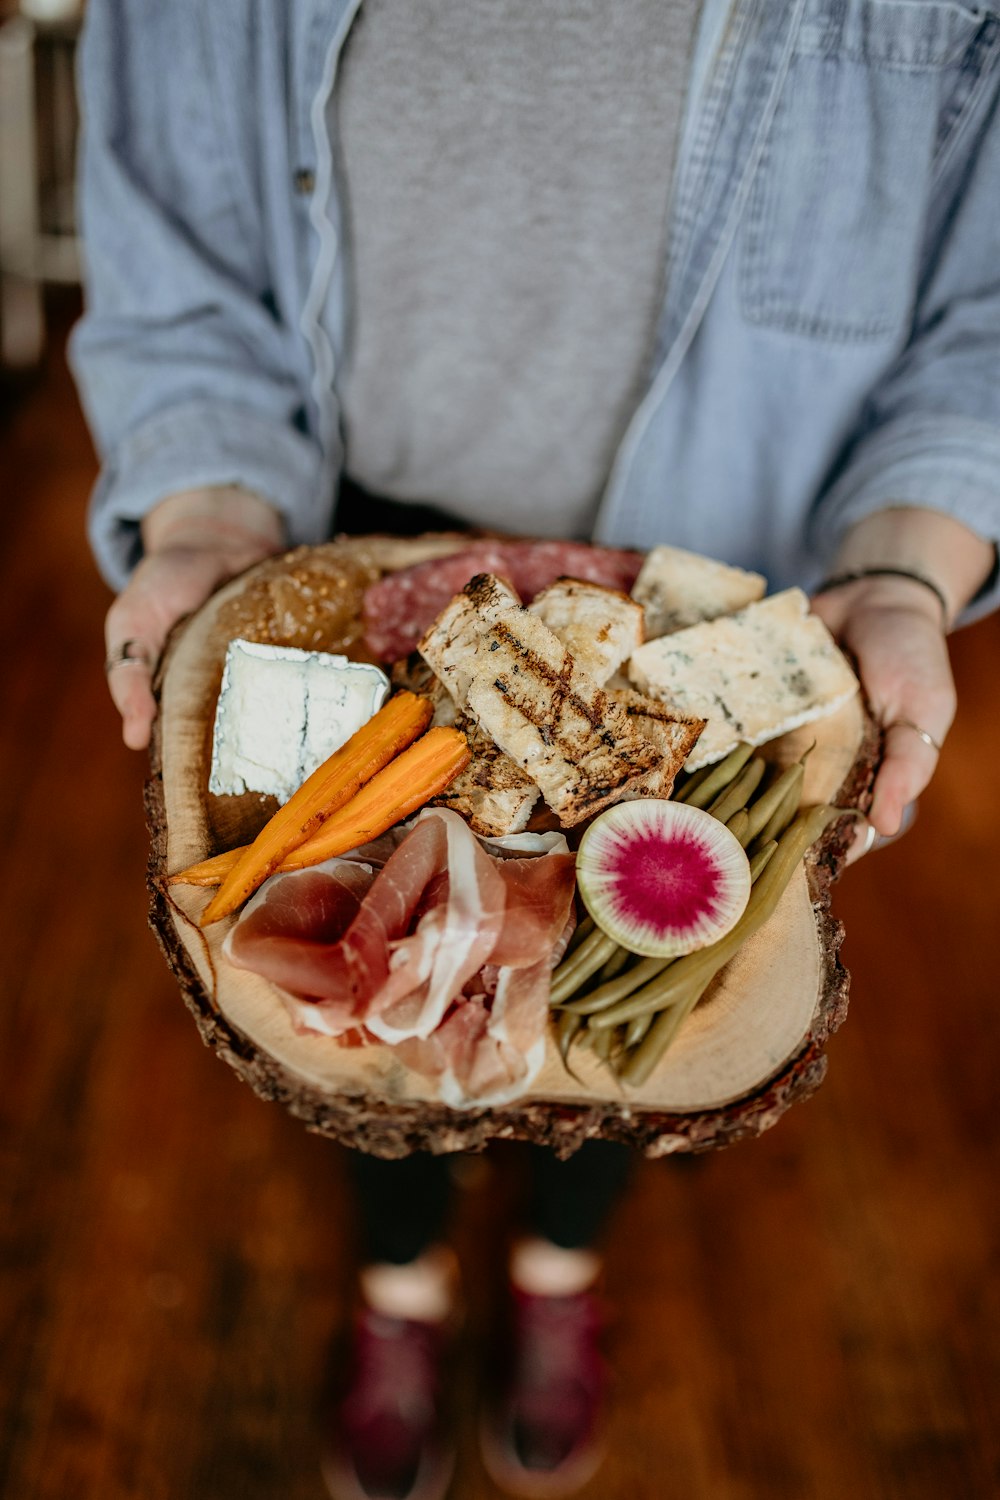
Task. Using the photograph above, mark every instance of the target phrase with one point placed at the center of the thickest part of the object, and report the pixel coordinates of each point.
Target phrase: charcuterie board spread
(457, 838)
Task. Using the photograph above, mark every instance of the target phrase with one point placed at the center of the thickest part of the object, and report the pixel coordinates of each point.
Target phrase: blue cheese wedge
(282, 712)
(753, 675)
(678, 589)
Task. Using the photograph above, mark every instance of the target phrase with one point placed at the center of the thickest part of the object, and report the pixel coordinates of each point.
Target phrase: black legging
(403, 1205)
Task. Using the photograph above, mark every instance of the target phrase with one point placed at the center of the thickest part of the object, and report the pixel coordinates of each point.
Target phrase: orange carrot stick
(405, 785)
(209, 871)
(338, 779)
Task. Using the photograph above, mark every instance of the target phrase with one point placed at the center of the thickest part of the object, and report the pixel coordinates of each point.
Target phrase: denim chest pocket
(830, 245)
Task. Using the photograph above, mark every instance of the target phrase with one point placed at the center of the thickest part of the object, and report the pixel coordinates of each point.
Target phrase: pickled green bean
(720, 776)
(692, 782)
(739, 792)
(738, 824)
(662, 1031)
(617, 988)
(761, 859)
(615, 964)
(768, 802)
(782, 815)
(591, 955)
(636, 1030)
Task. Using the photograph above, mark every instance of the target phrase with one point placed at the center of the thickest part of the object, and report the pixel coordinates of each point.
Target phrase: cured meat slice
(421, 930)
(491, 1046)
(400, 607)
(539, 894)
(434, 942)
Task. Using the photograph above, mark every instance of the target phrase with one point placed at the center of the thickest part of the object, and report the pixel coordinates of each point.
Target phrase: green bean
(782, 815)
(594, 951)
(584, 1040)
(761, 859)
(652, 997)
(616, 989)
(603, 1045)
(615, 964)
(720, 776)
(768, 802)
(645, 1056)
(702, 966)
(740, 790)
(567, 1032)
(738, 824)
(691, 782)
(583, 929)
(567, 1028)
(636, 1030)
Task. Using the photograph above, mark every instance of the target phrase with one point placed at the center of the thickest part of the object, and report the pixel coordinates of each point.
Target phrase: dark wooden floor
(813, 1316)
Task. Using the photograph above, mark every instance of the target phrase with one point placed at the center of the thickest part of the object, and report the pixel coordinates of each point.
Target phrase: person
(722, 273)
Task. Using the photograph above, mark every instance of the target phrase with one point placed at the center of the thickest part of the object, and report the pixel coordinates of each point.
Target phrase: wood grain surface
(814, 1315)
(753, 1047)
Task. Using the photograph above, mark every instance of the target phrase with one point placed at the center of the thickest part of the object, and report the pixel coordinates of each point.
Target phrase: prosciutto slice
(491, 1045)
(428, 940)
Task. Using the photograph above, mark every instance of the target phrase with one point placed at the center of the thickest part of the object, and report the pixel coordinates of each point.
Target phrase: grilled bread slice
(601, 627)
(452, 645)
(567, 734)
(492, 794)
(673, 734)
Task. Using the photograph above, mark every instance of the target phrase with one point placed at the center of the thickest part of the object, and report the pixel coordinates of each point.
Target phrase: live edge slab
(754, 1045)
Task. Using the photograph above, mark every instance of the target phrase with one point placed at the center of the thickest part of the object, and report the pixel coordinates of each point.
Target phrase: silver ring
(871, 837)
(928, 739)
(126, 656)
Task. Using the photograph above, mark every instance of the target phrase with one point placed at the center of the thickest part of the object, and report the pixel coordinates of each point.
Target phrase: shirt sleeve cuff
(948, 464)
(198, 445)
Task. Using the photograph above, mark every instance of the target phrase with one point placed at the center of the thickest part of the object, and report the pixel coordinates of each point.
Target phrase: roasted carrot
(406, 784)
(209, 871)
(396, 725)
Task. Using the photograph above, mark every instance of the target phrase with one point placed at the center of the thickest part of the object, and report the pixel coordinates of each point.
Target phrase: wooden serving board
(752, 1047)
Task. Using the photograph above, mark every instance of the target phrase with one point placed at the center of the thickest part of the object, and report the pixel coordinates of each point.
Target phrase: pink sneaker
(388, 1439)
(541, 1432)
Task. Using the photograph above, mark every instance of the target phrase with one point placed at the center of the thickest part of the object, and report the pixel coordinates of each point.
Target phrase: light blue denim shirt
(829, 342)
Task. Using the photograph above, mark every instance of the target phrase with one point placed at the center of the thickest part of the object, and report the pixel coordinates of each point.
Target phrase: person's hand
(893, 630)
(192, 544)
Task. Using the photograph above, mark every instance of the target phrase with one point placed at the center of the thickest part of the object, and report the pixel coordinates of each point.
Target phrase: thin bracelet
(844, 578)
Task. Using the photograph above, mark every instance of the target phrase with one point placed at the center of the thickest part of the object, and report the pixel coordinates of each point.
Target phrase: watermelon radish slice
(662, 878)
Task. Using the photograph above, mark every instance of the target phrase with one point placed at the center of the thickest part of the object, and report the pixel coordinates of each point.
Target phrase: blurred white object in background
(37, 160)
(48, 11)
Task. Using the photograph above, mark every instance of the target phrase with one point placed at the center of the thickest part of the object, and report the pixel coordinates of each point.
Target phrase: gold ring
(928, 739)
(126, 656)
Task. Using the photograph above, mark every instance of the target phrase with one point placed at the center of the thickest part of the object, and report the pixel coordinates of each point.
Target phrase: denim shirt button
(304, 180)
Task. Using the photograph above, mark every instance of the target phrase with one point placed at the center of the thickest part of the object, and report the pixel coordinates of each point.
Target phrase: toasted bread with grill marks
(673, 734)
(601, 627)
(493, 794)
(452, 645)
(567, 734)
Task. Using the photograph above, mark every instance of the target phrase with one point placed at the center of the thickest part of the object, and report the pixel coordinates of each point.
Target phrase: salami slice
(399, 608)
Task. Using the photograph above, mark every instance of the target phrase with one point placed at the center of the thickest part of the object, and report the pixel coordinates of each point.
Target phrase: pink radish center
(657, 882)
